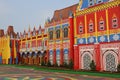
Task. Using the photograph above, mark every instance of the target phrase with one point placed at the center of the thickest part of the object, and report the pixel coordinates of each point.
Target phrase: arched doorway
(110, 61)
(28, 55)
(38, 58)
(44, 57)
(33, 56)
(23, 58)
(86, 60)
(18, 58)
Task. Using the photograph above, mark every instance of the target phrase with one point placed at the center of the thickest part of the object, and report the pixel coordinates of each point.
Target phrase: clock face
(91, 39)
(116, 37)
(102, 38)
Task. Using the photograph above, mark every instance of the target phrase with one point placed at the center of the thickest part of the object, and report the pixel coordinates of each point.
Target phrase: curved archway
(38, 57)
(23, 58)
(65, 32)
(110, 61)
(86, 60)
(33, 56)
(28, 56)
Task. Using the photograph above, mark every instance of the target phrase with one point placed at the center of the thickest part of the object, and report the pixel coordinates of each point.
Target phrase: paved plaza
(13, 73)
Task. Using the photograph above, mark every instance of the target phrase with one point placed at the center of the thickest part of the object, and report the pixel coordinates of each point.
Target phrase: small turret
(1, 32)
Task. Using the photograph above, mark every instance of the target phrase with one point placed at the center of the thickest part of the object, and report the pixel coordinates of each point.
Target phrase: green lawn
(48, 69)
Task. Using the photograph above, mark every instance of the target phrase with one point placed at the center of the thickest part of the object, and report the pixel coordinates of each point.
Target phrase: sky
(24, 13)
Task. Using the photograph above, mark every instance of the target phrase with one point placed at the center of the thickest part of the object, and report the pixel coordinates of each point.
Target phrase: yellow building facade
(9, 46)
(5, 49)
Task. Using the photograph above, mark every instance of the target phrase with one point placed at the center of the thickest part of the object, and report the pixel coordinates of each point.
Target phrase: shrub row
(71, 64)
(65, 65)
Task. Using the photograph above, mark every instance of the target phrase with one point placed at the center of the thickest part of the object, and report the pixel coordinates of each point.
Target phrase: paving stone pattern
(13, 73)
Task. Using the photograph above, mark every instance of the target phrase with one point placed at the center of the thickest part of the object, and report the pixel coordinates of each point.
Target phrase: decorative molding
(97, 8)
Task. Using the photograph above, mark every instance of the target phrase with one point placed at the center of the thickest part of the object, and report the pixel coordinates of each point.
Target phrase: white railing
(23, 49)
(39, 48)
(28, 49)
(33, 48)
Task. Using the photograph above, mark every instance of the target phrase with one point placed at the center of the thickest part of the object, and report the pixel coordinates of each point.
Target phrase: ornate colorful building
(33, 46)
(97, 34)
(9, 46)
(82, 32)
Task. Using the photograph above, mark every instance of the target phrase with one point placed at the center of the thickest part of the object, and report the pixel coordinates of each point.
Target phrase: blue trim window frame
(115, 23)
(51, 56)
(66, 52)
(91, 2)
(51, 35)
(58, 34)
(101, 25)
(65, 30)
(58, 56)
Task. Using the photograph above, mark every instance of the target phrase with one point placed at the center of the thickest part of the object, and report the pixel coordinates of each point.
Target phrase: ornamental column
(71, 36)
(76, 58)
(97, 56)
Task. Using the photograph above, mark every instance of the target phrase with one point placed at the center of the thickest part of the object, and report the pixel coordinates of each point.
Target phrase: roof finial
(29, 29)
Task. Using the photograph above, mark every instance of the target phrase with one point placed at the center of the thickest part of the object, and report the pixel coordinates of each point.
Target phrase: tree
(92, 66)
(118, 67)
(65, 65)
(70, 65)
(49, 64)
(42, 63)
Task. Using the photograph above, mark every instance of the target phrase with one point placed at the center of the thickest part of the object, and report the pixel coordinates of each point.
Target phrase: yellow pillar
(75, 31)
(96, 29)
(107, 24)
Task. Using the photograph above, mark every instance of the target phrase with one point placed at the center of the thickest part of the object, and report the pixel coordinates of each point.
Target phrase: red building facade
(82, 32)
(97, 35)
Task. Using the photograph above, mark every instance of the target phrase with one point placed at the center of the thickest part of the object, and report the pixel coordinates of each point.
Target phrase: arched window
(110, 62)
(86, 61)
(58, 33)
(101, 25)
(91, 27)
(114, 22)
(70, 13)
(65, 32)
(80, 30)
(99, 1)
(51, 35)
(91, 2)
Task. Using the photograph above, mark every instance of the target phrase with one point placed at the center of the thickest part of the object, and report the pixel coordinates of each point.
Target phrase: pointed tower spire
(24, 31)
(40, 27)
(34, 31)
(24, 34)
(34, 28)
(29, 29)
